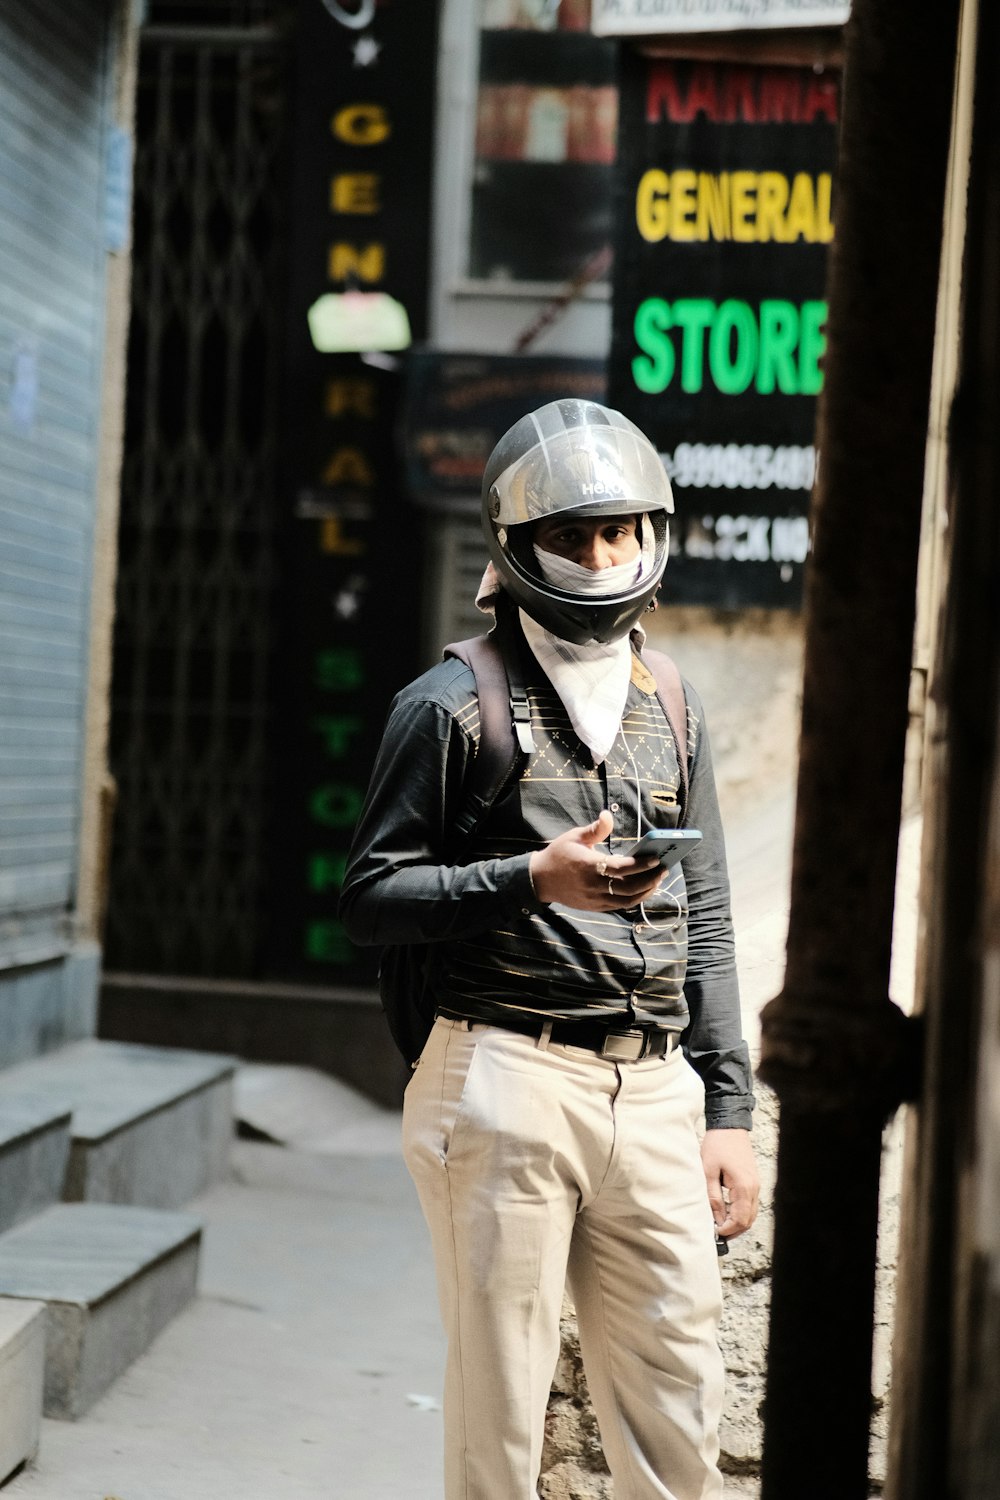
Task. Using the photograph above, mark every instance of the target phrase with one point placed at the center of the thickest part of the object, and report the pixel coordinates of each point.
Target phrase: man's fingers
(738, 1215)
(731, 1178)
(596, 832)
(635, 877)
(715, 1198)
(740, 1207)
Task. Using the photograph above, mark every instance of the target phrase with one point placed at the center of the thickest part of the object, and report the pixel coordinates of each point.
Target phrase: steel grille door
(192, 684)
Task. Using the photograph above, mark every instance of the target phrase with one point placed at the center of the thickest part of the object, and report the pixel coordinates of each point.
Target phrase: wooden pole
(945, 1431)
(839, 1054)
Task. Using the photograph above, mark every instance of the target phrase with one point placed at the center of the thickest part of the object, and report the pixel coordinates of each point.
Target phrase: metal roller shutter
(53, 78)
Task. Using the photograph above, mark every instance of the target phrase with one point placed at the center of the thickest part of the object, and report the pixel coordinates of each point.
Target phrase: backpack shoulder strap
(670, 691)
(503, 714)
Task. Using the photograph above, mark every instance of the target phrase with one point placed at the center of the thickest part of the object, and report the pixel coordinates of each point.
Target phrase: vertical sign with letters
(359, 222)
(726, 209)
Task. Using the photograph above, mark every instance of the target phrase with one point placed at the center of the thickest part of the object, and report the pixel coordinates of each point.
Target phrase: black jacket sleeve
(399, 886)
(713, 1040)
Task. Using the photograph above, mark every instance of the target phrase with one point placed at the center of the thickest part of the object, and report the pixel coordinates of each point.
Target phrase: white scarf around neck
(591, 680)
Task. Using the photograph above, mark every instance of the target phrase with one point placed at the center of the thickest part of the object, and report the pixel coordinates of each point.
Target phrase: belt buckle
(624, 1046)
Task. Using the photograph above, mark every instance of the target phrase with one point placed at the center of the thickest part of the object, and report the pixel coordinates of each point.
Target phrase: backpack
(505, 740)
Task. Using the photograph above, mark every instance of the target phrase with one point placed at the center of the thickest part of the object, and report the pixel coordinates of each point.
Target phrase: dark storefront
(266, 554)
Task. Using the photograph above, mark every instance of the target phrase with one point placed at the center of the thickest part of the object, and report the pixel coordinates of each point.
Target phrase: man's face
(594, 542)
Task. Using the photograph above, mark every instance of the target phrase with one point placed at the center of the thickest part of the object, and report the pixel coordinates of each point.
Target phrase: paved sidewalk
(309, 1367)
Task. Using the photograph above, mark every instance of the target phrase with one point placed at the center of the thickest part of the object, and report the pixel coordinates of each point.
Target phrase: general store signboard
(644, 17)
(727, 208)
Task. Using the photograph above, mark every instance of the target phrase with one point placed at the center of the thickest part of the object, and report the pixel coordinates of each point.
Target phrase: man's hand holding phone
(572, 870)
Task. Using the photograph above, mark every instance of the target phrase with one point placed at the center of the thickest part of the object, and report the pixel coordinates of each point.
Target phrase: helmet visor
(592, 470)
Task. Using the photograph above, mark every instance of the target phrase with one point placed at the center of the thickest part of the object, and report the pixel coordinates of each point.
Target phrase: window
(546, 130)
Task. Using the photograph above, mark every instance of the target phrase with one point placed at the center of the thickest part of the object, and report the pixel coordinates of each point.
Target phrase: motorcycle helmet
(580, 457)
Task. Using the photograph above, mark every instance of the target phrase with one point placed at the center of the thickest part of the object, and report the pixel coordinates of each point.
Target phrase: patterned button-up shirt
(499, 952)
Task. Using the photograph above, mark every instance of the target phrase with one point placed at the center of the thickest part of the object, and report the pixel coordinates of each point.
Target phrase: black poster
(359, 223)
(458, 407)
(726, 209)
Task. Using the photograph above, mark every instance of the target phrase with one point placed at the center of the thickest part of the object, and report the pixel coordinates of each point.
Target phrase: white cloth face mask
(563, 573)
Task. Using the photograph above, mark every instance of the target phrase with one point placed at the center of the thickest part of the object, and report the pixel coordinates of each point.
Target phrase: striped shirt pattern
(559, 961)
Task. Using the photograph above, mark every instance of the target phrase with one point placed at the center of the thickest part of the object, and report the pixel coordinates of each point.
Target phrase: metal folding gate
(192, 684)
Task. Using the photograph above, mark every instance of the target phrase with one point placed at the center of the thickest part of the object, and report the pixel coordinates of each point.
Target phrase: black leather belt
(621, 1044)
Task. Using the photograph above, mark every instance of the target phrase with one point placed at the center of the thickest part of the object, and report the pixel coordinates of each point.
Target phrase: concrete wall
(46, 1005)
(747, 668)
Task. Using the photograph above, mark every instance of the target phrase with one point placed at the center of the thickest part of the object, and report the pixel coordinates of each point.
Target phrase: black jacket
(496, 949)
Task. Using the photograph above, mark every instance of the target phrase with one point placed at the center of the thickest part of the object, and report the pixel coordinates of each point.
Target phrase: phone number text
(741, 466)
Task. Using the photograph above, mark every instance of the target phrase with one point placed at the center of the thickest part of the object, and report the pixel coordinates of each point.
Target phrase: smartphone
(668, 845)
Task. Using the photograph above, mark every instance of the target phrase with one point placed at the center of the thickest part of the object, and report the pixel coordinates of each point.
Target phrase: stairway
(101, 1144)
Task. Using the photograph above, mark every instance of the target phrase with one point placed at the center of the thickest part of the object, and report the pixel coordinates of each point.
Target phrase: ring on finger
(611, 885)
(602, 868)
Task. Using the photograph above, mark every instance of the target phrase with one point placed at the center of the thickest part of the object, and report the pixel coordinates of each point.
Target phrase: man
(587, 1005)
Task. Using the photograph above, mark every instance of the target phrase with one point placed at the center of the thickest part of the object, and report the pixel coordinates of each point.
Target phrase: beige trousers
(533, 1161)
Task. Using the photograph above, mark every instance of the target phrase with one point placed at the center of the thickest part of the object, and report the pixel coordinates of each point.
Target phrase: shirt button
(614, 807)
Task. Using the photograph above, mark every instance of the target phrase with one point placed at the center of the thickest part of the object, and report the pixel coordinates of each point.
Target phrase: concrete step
(22, 1367)
(34, 1149)
(150, 1125)
(111, 1276)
